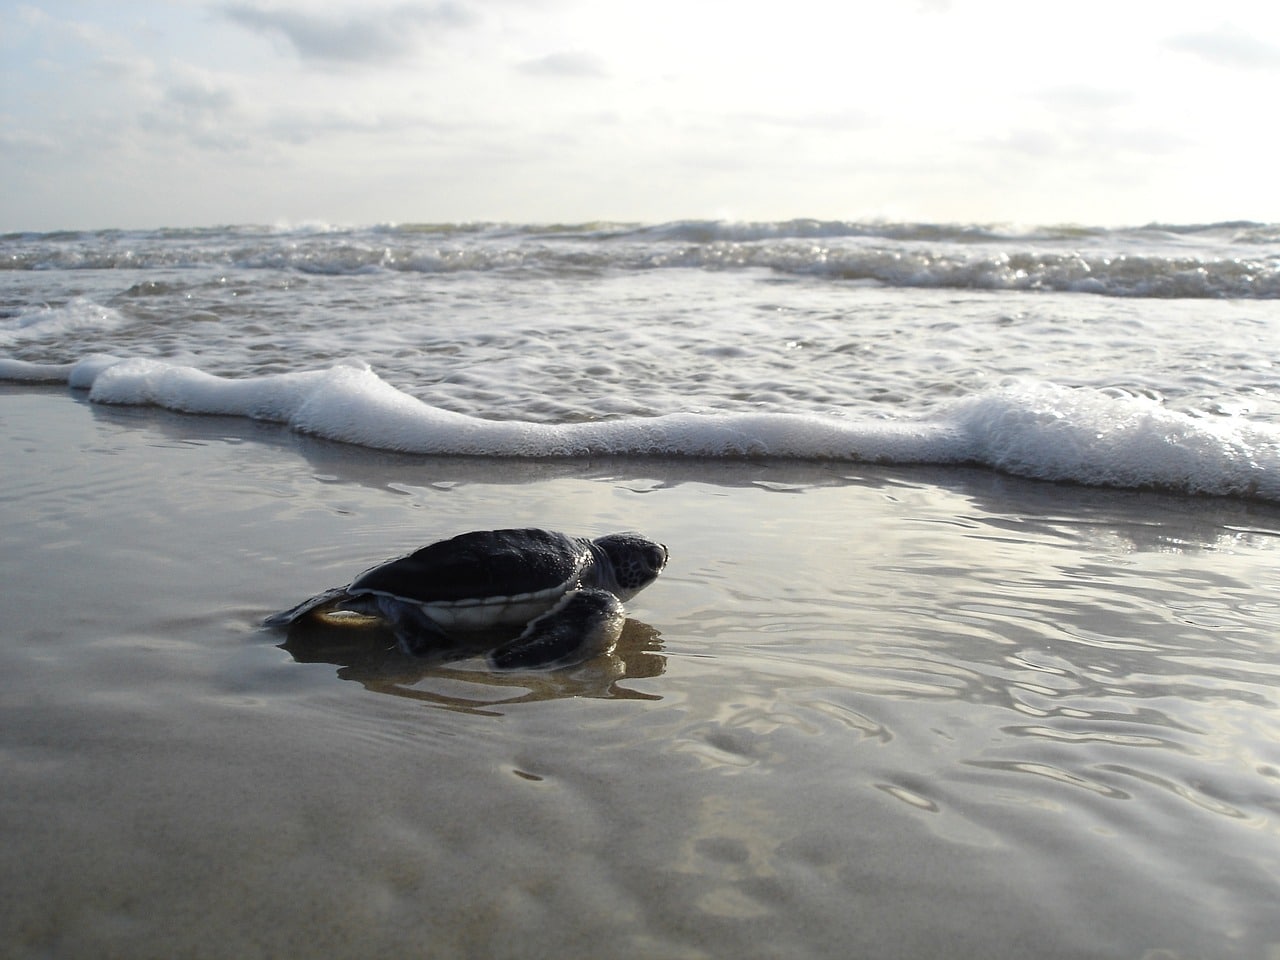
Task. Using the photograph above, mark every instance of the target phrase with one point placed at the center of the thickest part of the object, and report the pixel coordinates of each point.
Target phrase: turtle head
(633, 562)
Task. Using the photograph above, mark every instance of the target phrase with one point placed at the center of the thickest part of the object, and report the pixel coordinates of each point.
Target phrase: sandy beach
(866, 711)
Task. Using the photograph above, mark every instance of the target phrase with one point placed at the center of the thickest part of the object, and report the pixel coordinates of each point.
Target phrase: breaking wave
(1224, 260)
(1025, 428)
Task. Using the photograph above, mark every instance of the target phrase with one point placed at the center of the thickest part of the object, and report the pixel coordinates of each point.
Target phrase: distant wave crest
(1223, 260)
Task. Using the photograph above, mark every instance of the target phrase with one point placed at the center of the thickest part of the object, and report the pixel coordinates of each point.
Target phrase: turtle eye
(658, 558)
(648, 565)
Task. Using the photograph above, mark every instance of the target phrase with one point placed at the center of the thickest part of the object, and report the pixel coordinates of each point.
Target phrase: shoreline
(1218, 462)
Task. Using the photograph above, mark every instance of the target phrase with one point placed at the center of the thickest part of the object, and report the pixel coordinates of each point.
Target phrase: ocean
(968, 646)
(1140, 358)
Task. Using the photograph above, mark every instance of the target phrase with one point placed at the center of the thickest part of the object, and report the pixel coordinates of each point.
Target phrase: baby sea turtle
(567, 591)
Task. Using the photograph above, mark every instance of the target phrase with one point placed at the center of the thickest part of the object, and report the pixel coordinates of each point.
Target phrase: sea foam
(77, 315)
(1022, 427)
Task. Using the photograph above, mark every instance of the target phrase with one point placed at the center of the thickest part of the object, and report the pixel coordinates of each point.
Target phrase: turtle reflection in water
(566, 592)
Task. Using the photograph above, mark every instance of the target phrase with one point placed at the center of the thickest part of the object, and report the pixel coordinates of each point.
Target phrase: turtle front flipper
(585, 623)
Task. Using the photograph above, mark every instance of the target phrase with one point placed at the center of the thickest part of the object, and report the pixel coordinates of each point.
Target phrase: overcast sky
(141, 113)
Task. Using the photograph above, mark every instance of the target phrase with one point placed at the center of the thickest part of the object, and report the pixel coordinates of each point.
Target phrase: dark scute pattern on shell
(484, 563)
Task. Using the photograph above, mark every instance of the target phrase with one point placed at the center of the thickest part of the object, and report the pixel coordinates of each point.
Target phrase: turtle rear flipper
(416, 633)
(585, 623)
(319, 604)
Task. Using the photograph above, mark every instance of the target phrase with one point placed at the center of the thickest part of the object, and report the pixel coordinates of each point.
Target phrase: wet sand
(865, 712)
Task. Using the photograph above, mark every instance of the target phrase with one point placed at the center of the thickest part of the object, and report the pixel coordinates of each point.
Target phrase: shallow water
(865, 711)
(571, 347)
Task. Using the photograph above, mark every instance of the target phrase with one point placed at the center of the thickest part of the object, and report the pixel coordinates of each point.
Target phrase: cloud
(17, 141)
(198, 106)
(568, 63)
(842, 120)
(1229, 47)
(396, 131)
(367, 35)
(1083, 98)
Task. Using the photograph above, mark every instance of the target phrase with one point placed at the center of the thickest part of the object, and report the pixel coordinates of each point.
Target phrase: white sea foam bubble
(1023, 427)
(76, 316)
(1101, 438)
